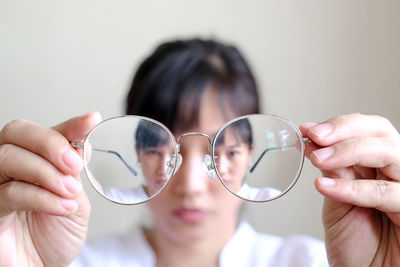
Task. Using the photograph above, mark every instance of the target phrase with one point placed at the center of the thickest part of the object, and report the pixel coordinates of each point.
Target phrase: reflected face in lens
(233, 157)
(193, 206)
(153, 161)
(154, 148)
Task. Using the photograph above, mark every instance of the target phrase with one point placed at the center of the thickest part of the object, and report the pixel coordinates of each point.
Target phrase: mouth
(161, 182)
(190, 215)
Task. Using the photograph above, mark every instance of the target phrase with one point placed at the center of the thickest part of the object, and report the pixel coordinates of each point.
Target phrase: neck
(204, 251)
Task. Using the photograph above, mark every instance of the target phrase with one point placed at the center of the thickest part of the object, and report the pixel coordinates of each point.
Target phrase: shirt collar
(235, 253)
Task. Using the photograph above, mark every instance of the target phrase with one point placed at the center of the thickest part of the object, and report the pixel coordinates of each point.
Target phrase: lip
(161, 182)
(190, 215)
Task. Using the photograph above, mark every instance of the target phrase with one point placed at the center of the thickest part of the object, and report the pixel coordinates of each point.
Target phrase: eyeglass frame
(211, 149)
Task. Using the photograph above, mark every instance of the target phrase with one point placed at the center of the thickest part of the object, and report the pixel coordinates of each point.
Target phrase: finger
(51, 144)
(305, 127)
(379, 194)
(370, 152)
(21, 196)
(309, 146)
(77, 128)
(43, 141)
(20, 164)
(350, 126)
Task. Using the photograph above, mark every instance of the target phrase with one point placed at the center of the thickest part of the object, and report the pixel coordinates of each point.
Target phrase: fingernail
(71, 184)
(326, 181)
(324, 153)
(96, 117)
(69, 205)
(71, 158)
(322, 130)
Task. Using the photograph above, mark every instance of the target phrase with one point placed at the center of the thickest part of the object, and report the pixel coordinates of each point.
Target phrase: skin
(361, 213)
(44, 213)
(153, 162)
(233, 158)
(194, 215)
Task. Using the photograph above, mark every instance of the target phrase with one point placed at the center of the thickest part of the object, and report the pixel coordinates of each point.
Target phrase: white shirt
(137, 195)
(246, 248)
(127, 195)
(255, 193)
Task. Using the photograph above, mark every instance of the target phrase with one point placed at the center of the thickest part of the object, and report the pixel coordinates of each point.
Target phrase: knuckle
(355, 188)
(6, 152)
(351, 117)
(379, 191)
(11, 127)
(382, 187)
(51, 142)
(356, 115)
(384, 121)
(370, 194)
(8, 190)
(347, 120)
(386, 125)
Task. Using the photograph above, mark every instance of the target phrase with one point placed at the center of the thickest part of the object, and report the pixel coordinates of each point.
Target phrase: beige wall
(313, 60)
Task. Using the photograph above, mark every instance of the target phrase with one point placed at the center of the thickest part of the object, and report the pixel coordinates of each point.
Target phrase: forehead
(211, 115)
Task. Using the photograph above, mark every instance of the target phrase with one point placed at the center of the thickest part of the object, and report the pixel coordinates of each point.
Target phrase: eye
(233, 153)
(151, 151)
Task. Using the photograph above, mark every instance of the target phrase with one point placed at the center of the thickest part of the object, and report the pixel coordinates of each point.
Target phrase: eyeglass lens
(130, 159)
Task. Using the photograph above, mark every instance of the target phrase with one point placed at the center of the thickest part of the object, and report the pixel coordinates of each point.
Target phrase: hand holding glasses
(130, 159)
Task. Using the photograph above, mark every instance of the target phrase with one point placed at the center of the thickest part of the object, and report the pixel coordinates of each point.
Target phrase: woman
(196, 86)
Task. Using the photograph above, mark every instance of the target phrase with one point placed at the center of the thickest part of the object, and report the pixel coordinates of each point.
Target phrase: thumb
(76, 129)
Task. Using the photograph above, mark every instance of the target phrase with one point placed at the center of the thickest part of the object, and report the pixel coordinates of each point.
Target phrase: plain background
(312, 59)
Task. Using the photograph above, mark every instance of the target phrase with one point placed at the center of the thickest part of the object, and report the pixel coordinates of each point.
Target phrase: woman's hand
(359, 157)
(43, 210)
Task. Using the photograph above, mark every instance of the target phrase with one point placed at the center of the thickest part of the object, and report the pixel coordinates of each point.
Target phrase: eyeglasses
(131, 159)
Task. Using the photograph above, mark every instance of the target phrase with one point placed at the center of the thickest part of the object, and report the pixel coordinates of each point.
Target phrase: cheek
(158, 206)
(228, 208)
(223, 199)
(236, 174)
(149, 164)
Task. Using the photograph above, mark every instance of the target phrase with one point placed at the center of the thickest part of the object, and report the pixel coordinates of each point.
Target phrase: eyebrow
(234, 145)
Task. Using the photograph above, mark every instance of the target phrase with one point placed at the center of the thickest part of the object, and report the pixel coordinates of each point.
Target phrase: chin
(188, 232)
(190, 235)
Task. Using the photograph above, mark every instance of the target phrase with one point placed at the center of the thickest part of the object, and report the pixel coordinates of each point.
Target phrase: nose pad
(173, 164)
(209, 165)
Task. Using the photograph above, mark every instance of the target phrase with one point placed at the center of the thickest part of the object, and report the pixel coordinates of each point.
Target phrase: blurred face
(193, 206)
(233, 158)
(154, 166)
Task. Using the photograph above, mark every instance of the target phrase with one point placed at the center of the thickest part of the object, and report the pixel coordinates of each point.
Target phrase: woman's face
(153, 162)
(232, 158)
(194, 206)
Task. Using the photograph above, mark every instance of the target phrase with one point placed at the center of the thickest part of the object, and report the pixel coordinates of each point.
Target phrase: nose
(222, 164)
(191, 178)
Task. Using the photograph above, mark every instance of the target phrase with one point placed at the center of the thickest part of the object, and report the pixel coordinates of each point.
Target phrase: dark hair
(149, 134)
(168, 85)
(241, 129)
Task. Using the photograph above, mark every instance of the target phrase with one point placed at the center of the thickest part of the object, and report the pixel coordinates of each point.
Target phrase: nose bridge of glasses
(194, 134)
(207, 159)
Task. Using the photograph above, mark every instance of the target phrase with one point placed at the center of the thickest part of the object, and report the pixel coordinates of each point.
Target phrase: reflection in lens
(257, 157)
(154, 149)
(132, 158)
